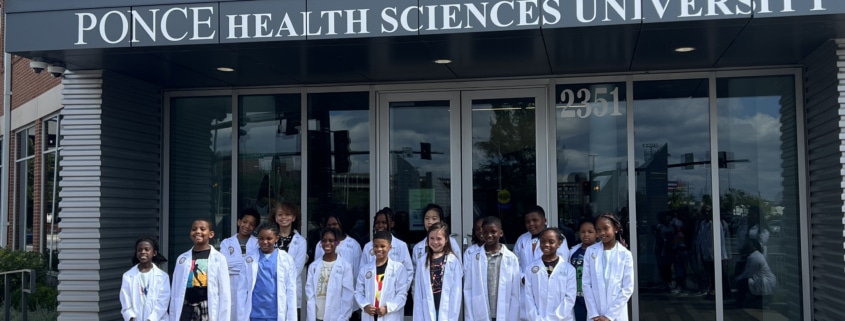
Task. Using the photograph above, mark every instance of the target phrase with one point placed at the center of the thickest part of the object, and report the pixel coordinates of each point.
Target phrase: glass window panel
(674, 204)
(591, 153)
(417, 179)
(758, 183)
(51, 129)
(269, 152)
(504, 161)
(200, 167)
(339, 163)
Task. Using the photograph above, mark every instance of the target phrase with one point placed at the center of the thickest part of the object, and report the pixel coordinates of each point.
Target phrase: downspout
(7, 139)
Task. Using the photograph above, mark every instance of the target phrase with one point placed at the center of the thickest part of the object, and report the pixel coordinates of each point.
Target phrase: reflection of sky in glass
(412, 125)
(261, 125)
(683, 124)
(750, 129)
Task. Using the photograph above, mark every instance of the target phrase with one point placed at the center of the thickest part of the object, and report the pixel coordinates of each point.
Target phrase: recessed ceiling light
(225, 69)
(442, 61)
(684, 49)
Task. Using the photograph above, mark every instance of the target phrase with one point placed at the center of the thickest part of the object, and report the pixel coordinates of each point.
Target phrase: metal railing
(27, 288)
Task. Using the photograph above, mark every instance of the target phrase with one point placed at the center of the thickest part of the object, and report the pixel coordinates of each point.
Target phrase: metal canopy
(644, 47)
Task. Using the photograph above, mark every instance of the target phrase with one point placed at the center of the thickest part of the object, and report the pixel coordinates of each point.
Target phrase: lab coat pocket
(479, 306)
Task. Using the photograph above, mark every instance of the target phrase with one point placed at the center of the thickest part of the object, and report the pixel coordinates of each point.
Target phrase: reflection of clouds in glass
(357, 123)
(749, 131)
(223, 142)
(410, 126)
(262, 138)
(578, 139)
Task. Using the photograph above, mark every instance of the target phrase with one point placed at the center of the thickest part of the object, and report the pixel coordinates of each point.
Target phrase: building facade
(173, 110)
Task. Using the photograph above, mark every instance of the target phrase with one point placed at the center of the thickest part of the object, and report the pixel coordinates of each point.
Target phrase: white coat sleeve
(565, 311)
(587, 286)
(456, 294)
(408, 262)
(456, 248)
(401, 295)
(318, 252)
(530, 308)
(126, 308)
(361, 290)
(310, 294)
(516, 282)
(617, 305)
(224, 291)
(469, 314)
(290, 295)
(419, 298)
(347, 296)
(163, 299)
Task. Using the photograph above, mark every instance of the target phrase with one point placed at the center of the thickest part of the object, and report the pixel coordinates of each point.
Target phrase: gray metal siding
(824, 83)
(110, 187)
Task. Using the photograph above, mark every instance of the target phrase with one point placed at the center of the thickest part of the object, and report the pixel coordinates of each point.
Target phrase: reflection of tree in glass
(509, 163)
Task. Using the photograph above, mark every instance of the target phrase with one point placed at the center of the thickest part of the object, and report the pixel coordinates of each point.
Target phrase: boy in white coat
(329, 289)
(492, 278)
(437, 283)
(382, 288)
(271, 274)
(145, 290)
(235, 249)
(608, 276)
(551, 283)
(200, 287)
(398, 251)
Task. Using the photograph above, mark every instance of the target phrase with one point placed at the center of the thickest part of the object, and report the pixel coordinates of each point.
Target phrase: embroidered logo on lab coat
(535, 269)
(478, 256)
(181, 260)
(371, 252)
(369, 274)
(248, 259)
(231, 250)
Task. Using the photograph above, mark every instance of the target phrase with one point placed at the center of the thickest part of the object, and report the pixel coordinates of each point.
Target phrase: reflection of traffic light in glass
(425, 151)
(342, 162)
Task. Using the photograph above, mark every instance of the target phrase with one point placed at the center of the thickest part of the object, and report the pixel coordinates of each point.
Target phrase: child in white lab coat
(432, 213)
(398, 252)
(271, 274)
(608, 277)
(200, 289)
(348, 248)
(437, 282)
(329, 289)
(492, 278)
(287, 215)
(550, 283)
(477, 242)
(145, 290)
(587, 233)
(527, 247)
(235, 248)
(382, 288)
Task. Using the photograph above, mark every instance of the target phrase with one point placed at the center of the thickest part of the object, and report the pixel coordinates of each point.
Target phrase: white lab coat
(419, 250)
(476, 302)
(219, 293)
(394, 291)
(468, 254)
(158, 295)
(550, 297)
(450, 297)
(348, 249)
(398, 253)
(527, 256)
(340, 292)
(298, 252)
(602, 298)
(286, 298)
(231, 249)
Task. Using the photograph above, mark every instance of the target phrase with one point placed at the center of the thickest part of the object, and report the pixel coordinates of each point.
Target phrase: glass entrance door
(474, 153)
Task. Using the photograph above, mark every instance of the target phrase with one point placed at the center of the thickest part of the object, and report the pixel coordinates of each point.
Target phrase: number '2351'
(585, 103)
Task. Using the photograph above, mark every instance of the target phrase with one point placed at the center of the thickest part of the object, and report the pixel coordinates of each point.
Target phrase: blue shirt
(264, 301)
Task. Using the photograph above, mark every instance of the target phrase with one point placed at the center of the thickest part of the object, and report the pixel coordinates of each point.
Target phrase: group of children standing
(257, 278)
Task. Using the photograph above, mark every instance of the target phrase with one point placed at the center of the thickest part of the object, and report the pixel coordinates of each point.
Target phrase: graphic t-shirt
(243, 245)
(380, 270)
(197, 286)
(144, 285)
(437, 268)
(577, 261)
(322, 288)
(550, 266)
